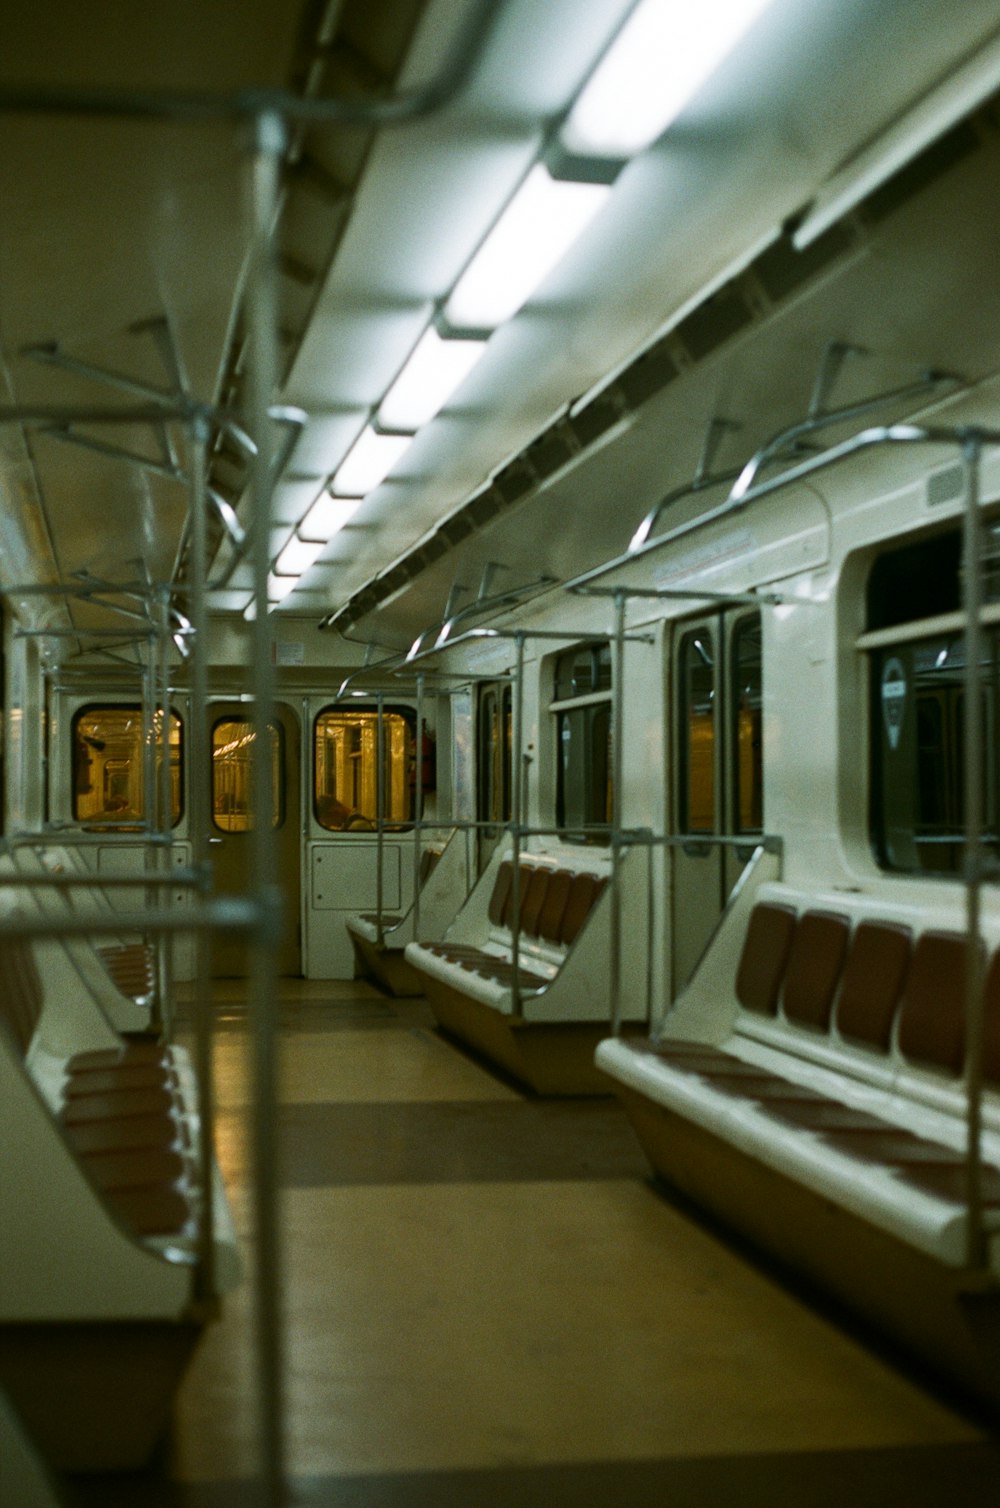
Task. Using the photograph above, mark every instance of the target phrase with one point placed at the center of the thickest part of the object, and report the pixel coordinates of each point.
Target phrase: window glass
(747, 727)
(346, 785)
(696, 670)
(109, 769)
(582, 671)
(918, 798)
(232, 748)
(584, 772)
(584, 785)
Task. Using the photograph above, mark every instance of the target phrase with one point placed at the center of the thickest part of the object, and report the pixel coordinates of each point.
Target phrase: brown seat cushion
(876, 966)
(813, 970)
(765, 955)
(931, 1024)
(500, 898)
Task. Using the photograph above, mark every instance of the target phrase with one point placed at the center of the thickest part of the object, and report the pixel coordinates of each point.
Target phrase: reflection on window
(747, 727)
(584, 764)
(346, 784)
(584, 791)
(696, 669)
(232, 754)
(918, 798)
(579, 672)
(109, 766)
(494, 750)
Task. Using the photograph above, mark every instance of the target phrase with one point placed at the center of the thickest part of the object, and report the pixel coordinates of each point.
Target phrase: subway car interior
(500, 751)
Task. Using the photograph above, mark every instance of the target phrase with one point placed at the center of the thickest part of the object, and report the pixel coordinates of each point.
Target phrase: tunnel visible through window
(110, 768)
(584, 766)
(233, 742)
(917, 707)
(347, 788)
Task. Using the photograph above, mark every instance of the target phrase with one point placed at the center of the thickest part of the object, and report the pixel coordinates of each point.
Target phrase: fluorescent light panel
(327, 517)
(435, 369)
(368, 462)
(657, 63)
(297, 556)
(533, 234)
(278, 587)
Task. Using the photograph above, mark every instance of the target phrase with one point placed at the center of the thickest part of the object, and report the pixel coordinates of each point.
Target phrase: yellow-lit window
(747, 727)
(233, 739)
(109, 765)
(346, 786)
(697, 732)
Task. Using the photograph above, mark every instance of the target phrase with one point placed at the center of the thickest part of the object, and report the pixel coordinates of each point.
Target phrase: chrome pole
(517, 738)
(418, 803)
(164, 828)
(269, 139)
(617, 746)
(199, 808)
(976, 1246)
(379, 817)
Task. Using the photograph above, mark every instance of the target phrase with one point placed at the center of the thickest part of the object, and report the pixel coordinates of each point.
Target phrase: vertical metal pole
(518, 820)
(976, 1250)
(164, 856)
(617, 753)
(148, 748)
(418, 803)
(199, 775)
(650, 928)
(161, 1008)
(262, 324)
(379, 818)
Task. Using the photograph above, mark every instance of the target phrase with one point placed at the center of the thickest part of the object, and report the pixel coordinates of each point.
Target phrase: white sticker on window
(893, 699)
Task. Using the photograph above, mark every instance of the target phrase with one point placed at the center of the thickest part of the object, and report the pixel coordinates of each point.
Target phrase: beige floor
(489, 1324)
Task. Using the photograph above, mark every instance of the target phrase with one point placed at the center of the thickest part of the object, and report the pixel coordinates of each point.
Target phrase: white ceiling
(109, 223)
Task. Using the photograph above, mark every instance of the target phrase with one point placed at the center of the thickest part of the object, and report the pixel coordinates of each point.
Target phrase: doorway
(718, 771)
(231, 738)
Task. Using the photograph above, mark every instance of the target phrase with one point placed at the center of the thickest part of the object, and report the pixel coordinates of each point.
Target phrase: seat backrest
(877, 961)
(534, 890)
(500, 899)
(765, 955)
(812, 974)
(550, 918)
(991, 1024)
(931, 1013)
(20, 991)
(583, 892)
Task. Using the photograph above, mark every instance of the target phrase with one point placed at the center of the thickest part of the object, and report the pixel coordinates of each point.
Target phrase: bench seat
(555, 903)
(126, 1113)
(841, 1070)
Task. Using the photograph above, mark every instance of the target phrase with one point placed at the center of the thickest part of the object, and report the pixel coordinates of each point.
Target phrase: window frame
(118, 821)
(933, 817)
(368, 825)
(593, 705)
(278, 784)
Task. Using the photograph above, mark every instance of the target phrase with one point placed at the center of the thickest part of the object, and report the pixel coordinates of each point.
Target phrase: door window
(696, 666)
(232, 749)
(345, 765)
(109, 766)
